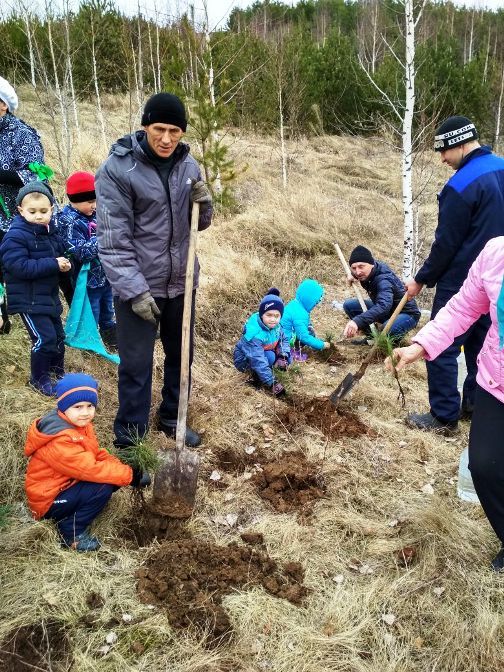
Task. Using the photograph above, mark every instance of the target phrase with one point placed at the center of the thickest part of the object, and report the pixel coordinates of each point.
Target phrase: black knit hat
(35, 187)
(361, 254)
(453, 132)
(164, 108)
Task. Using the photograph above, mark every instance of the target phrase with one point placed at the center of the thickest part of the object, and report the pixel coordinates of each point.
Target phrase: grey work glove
(145, 307)
(200, 193)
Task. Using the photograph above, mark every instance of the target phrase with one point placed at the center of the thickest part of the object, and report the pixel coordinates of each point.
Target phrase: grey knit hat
(8, 95)
(34, 187)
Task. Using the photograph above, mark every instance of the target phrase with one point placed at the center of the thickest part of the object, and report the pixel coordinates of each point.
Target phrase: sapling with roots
(385, 344)
(139, 455)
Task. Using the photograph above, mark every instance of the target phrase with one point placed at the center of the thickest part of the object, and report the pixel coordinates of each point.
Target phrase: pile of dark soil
(41, 646)
(235, 461)
(191, 577)
(320, 413)
(289, 483)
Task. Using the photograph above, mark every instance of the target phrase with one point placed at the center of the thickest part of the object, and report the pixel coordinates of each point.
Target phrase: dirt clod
(320, 413)
(191, 577)
(289, 483)
(41, 646)
(252, 538)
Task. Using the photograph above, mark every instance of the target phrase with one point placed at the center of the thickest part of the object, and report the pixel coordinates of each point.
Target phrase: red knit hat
(80, 187)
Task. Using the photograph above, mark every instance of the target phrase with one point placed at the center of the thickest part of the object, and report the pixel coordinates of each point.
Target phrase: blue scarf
(500, 315)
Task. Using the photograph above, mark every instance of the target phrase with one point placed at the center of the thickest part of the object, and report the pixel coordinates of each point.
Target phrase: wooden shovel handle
(356, 285)
(186, 333)
(385, 330)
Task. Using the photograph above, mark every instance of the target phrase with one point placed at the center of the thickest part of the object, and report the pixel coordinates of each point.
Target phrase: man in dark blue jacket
(471, 212)
(385, 291)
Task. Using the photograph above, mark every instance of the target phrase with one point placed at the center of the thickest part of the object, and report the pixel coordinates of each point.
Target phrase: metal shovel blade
(346, 385)
(175, 484)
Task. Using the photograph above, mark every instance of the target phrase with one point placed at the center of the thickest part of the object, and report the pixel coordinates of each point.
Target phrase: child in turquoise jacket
(296, 318)
(264, 343)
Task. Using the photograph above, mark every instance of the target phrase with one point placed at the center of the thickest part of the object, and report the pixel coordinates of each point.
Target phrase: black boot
(498, 561)
(192, 438)
(109, 337)
(40, 378)
(466, 410)
(57, 367)
(428, 423)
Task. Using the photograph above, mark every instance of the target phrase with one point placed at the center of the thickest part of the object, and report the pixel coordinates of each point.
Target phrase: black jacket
(385, 290)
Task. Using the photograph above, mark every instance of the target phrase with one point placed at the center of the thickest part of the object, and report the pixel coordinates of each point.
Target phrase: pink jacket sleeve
(461, 311)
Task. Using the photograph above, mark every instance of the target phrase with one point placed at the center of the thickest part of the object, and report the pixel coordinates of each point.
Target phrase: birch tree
(403, 110)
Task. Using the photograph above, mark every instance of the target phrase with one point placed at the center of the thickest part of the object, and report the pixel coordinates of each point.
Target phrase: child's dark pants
(75, 508)
(48, 347)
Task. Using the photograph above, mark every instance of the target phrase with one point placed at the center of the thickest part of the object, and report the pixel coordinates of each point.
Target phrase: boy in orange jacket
(69, 479)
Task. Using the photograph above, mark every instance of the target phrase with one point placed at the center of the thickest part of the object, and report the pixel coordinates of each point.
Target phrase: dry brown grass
(446, 603)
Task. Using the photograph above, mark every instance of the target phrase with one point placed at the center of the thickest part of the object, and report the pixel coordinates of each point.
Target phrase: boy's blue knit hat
(271, 301)
(74, 388)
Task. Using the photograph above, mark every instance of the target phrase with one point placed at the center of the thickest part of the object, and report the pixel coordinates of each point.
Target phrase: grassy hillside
(354, 565)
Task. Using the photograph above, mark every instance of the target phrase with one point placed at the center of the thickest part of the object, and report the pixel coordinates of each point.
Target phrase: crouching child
(296, 320)
(264, 344)
(69, 479)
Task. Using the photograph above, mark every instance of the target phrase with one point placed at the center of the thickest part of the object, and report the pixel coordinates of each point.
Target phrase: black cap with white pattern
(453, 132)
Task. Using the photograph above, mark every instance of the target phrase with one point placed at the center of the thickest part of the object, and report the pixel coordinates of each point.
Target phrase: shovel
(176, 480)
(351, 379)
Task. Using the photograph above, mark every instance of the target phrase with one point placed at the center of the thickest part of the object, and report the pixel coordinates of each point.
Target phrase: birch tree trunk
(69, 71)
(282, 134)
(407, 142)
(65, 130)
(497, 141)
(99, 108)
(217, 185)
(30, 47)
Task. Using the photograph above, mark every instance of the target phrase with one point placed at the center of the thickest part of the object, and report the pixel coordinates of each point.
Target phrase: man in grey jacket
(145, 190)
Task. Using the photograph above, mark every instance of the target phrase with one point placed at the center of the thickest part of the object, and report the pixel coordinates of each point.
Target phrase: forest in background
(312, 62)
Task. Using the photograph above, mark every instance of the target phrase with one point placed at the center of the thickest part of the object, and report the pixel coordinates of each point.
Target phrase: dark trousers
(444, 397)
(135, 340)
(48, 346)
(486, 457)
(403, 322)
(75, 508)
(102, 305)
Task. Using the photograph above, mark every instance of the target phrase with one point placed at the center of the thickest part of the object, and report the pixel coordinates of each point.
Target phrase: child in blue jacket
(296, 319)
(264, 344)
(77, 223)
(32, 255)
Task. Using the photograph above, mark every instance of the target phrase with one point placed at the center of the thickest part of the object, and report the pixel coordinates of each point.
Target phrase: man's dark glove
(200, 193)
(278, 389)
(145, 307)
(141, 479)
(282, 363)
(10, 177)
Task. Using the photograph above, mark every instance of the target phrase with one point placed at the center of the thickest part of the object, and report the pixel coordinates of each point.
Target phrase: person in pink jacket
(482, 292)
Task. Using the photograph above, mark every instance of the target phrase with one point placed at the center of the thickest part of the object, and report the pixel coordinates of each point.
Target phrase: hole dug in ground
(41, 646)
(190, 577)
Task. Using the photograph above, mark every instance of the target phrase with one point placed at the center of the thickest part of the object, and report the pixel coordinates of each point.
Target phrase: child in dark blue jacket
(32, 255)
(77, 225)
(264, 344)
